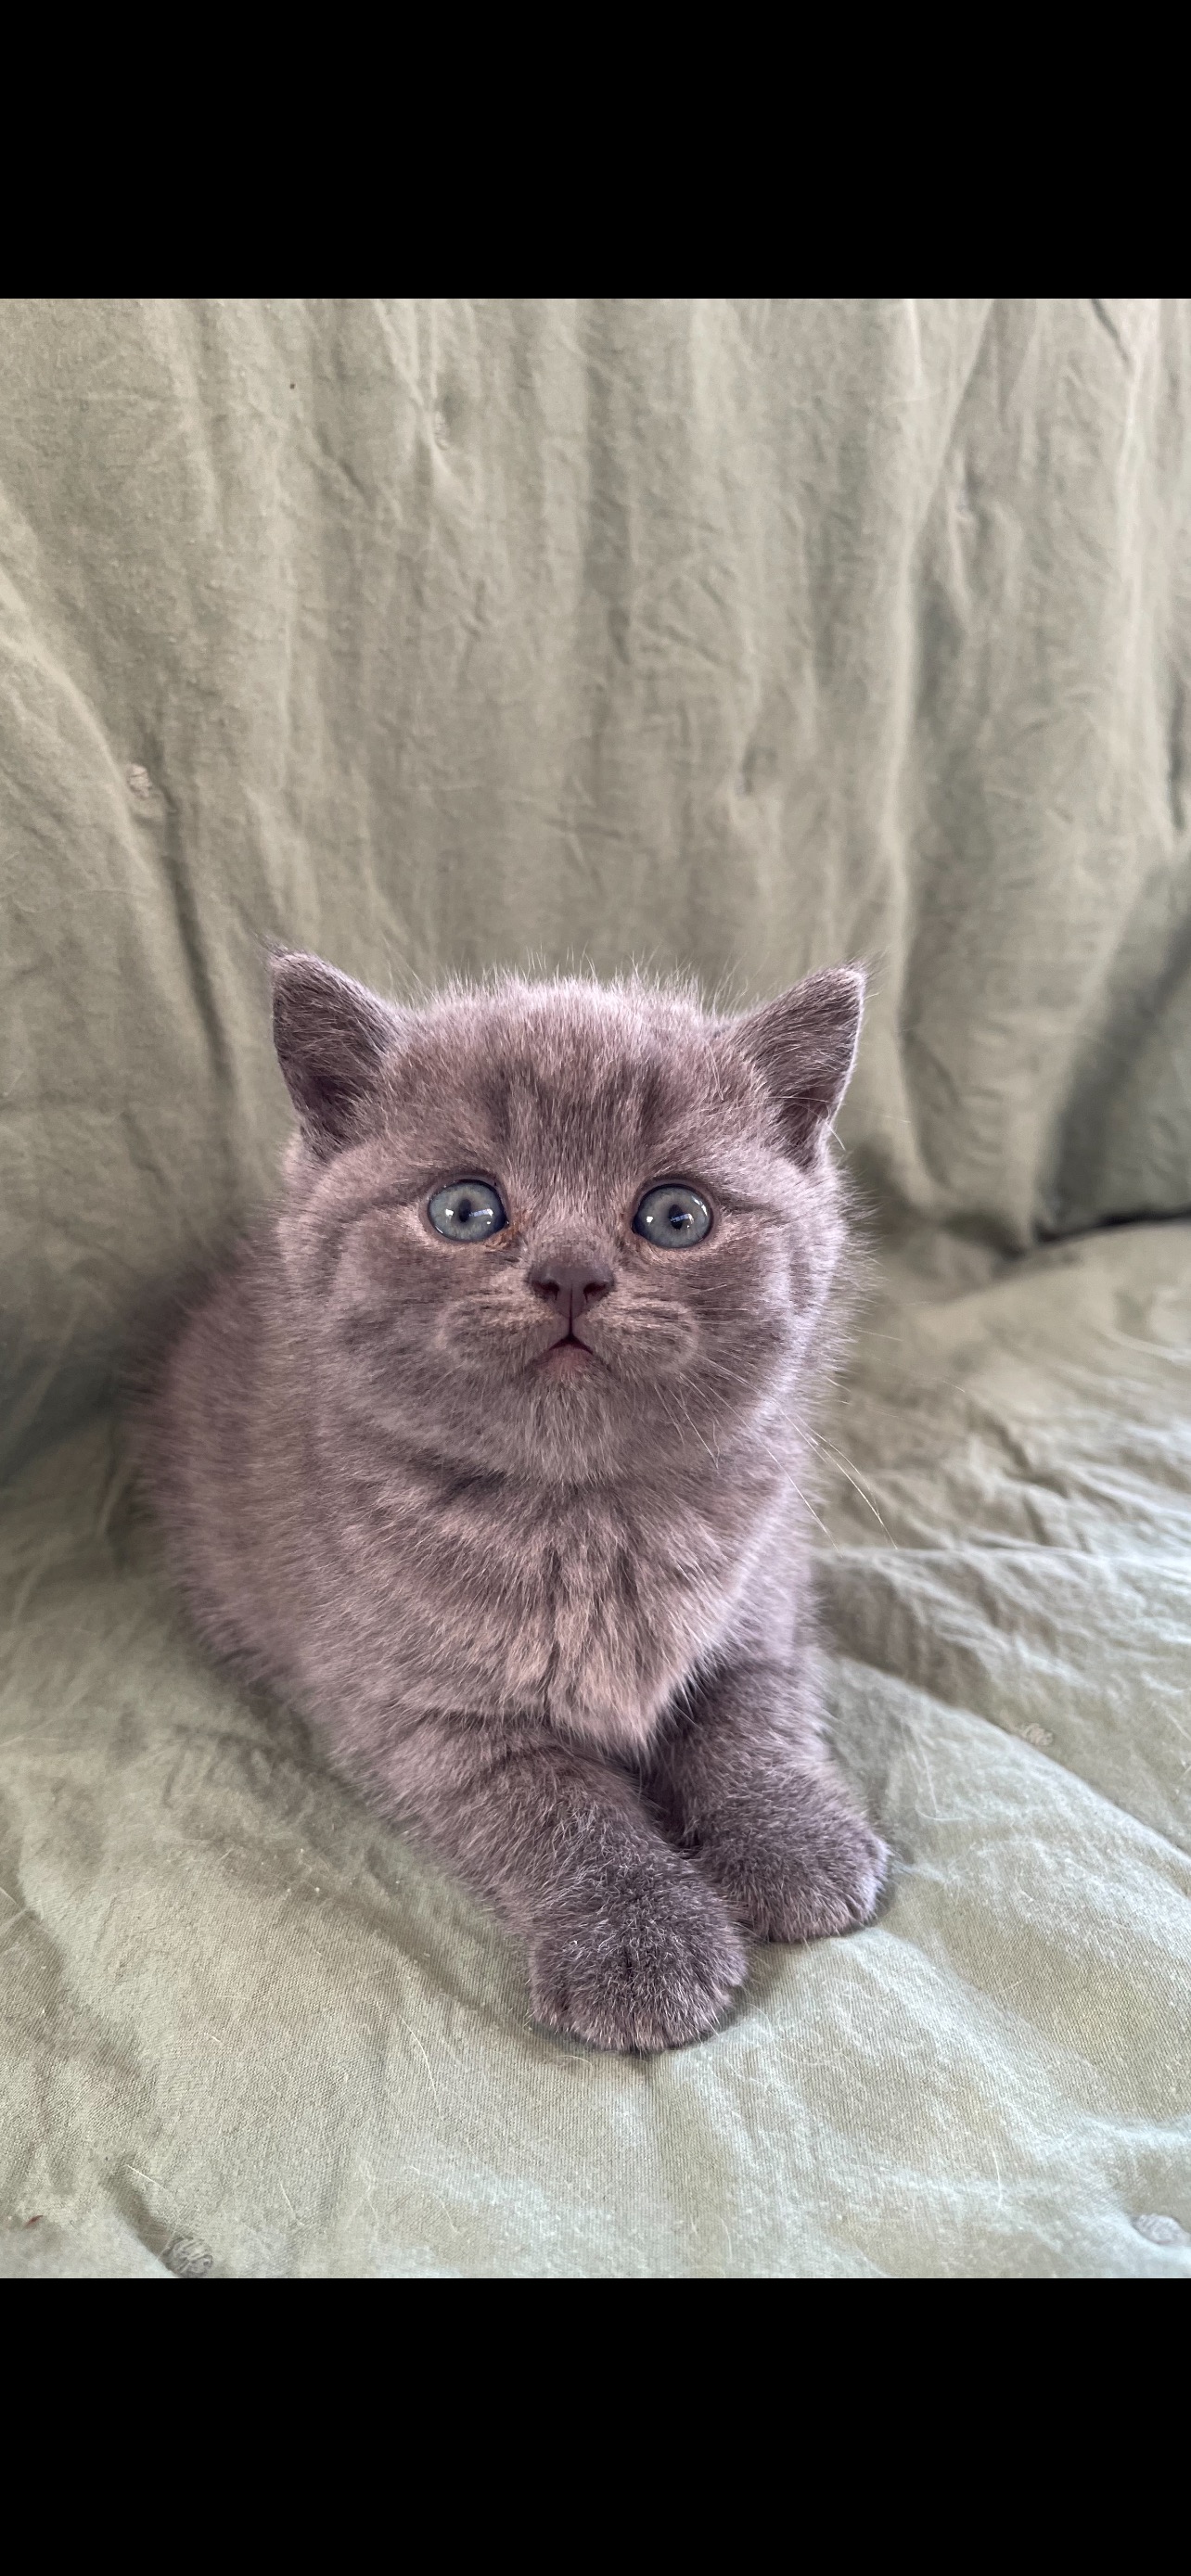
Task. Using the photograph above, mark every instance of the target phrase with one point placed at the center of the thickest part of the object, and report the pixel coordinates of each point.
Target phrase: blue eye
(467, 1212)
(673, 1216)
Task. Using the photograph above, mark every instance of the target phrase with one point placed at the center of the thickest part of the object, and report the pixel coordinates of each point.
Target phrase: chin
(567, 1364)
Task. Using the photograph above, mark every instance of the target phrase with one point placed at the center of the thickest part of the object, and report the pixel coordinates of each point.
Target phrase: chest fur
(588, 1609)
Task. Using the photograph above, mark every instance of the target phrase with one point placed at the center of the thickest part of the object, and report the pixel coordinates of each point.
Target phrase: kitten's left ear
(804, 1044)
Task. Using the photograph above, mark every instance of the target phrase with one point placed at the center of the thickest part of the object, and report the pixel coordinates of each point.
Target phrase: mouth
(568, 1357)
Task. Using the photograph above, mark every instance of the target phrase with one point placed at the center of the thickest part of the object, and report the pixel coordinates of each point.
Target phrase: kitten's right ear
(331, 1036)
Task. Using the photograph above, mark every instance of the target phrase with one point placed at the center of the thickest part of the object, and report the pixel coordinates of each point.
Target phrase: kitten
(487, 1454)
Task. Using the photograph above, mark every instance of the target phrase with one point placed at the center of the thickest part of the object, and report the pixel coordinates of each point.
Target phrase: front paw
(648, 1965)
(798, 1867)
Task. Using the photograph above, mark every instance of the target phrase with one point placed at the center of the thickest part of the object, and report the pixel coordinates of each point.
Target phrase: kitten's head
(561, 1226)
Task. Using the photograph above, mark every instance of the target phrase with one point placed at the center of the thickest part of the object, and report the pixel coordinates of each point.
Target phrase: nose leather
(571, 1286)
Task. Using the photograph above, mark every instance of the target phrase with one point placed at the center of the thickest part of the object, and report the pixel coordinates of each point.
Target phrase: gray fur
(532, 1553)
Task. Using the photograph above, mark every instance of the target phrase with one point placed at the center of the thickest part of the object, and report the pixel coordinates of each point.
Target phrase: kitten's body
(545, 1591)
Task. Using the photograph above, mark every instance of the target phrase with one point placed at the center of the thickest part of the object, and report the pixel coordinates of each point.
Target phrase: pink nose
(571, 1286)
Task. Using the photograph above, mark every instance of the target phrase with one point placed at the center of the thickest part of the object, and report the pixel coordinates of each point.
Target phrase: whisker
(845, 1469)
(803, 1498)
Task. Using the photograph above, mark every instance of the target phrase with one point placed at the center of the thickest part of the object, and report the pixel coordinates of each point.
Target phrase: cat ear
(331, 1037)
(804, 1044)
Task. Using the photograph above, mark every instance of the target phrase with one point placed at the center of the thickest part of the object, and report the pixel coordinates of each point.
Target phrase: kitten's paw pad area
(645, 1972)
(807, 1873)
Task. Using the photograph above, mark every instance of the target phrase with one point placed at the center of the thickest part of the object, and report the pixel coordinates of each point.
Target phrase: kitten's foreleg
(629, 1946)
(744, 1783)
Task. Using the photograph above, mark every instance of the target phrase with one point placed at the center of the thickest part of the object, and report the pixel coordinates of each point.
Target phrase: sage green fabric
(742, 636)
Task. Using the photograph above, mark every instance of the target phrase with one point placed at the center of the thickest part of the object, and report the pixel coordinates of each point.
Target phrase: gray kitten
(488, 1454)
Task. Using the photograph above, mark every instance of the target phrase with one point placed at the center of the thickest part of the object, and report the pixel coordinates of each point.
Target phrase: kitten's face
(557, 1223)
